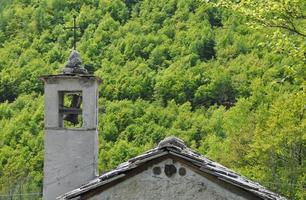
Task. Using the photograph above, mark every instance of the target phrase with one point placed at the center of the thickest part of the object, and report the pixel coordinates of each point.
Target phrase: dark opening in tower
(70, 109)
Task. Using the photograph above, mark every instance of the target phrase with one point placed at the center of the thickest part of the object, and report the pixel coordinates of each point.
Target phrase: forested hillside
(227, 78)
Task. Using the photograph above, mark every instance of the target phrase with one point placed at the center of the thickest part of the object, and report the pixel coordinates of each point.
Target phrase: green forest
(227, 77)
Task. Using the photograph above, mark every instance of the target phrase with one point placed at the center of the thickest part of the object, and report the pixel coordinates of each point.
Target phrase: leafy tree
(228, 77)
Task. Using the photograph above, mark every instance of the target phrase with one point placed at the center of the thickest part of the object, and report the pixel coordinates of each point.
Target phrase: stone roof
(176, 147)
(74, 65)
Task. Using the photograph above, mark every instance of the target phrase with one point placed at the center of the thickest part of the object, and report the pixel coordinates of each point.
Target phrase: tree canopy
(227, 77)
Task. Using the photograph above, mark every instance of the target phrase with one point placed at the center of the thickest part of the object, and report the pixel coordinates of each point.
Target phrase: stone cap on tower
(73, 69)
(74, 65)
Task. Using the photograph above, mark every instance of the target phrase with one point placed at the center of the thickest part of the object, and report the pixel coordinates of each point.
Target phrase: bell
(74, 106)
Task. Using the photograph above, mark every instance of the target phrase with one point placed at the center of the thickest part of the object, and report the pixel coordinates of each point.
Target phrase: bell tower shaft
(71, 149)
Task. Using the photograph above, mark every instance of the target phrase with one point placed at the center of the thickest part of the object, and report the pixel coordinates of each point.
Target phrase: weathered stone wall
(181, 183)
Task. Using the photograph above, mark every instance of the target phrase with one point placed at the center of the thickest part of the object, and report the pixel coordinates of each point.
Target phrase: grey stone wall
(71, 158)
(184, 184)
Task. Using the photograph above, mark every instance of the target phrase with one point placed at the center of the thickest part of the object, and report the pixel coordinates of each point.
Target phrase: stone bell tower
(71, 135)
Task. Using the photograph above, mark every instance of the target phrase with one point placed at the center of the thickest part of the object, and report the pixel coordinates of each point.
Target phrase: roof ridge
(172, 141)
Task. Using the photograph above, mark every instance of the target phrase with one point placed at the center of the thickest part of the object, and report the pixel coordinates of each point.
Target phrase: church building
(170, 171)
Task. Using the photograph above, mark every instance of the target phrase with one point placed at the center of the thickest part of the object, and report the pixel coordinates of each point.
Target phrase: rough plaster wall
(70, 160)
(71, 155)
(148, 186)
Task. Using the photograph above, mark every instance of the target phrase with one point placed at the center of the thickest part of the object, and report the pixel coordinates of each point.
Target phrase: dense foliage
(228, 78)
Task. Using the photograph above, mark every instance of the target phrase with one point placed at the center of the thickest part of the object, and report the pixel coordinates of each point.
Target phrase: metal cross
(74, 27)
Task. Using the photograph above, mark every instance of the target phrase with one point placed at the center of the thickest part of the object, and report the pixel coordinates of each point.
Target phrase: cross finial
(74, 27)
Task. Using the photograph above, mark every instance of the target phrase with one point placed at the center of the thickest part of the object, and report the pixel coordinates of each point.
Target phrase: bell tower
(71, 134)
